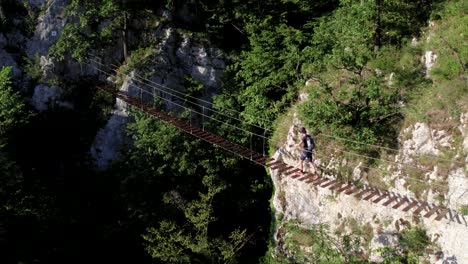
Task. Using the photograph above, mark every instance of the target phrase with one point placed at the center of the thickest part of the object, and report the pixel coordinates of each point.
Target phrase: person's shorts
(306, 155)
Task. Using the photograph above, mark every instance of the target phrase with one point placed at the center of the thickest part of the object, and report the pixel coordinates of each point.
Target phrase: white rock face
(421, 142)
(309, 205)
(458, 185)
(45, 96)
(105, 148)
(6, 59)
(429, 60)
(38, 3)
(48, 29)
(464, 131)
(177, 58)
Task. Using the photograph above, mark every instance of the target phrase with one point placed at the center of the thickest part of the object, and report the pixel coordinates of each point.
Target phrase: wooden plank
(431, 212)
(442, 214)
(261, 160)
(297, 175)
(278, 166)
(353, 190)
(359, 195)
(346, 187)
(411, 205)
(400, 203)
(307, 176)
(374, 193)
(336, 186)
(244, 152)
(328, 184)
(380, 198)
(389, 201)
(285, 169)
(420, 208)
(322, 180)
(256, 156)
(314, 178)
(289, 173)
(273, 162)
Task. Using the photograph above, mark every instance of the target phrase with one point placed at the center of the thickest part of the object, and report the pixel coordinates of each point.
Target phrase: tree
(12, 107)
(189, 241)
(349, 94)
(197, 224)
(93, 26)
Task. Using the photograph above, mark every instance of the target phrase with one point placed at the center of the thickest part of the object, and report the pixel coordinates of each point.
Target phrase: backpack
(310, 143)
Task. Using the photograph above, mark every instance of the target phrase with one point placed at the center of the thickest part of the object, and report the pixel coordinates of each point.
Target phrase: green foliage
(269, 71)
(464, 209)
(33, 67)
(12, 107)
(442, 100)
(317, 245)
(197, 225)
(414, 240)
(449, 43)
(193, 87)
(190, 242)
(87, 33)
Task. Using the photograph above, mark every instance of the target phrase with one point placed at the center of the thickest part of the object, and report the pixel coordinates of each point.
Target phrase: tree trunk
(378, 25)
(2, 15)
(125, 36)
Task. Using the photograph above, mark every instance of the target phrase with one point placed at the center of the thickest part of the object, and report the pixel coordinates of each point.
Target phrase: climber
(308, 145)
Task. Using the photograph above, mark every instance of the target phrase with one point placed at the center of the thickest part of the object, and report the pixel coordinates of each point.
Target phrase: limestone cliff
(177, 56)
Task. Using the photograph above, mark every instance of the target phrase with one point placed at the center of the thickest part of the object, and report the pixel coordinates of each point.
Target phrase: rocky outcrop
(48, 28)
(176, 58)
(46, 97)
(308, 205)
(108, 141)
(6, 59)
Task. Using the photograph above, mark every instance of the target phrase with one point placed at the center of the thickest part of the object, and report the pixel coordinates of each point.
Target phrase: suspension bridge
(145, 102)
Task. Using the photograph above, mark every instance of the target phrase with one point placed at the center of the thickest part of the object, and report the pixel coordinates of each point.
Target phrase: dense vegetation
(173, 198)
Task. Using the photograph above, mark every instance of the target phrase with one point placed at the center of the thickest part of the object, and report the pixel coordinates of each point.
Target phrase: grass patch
(464, 209)
(140, 58)
(375, 178)
(283, 123)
